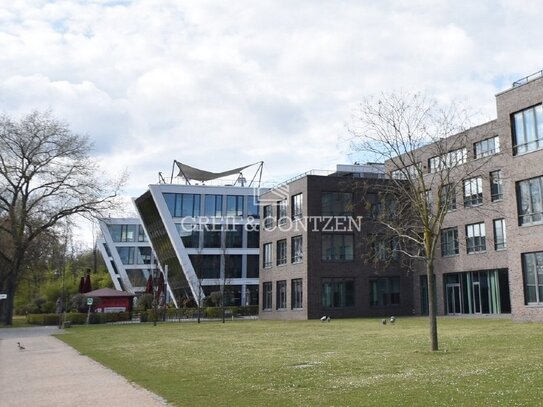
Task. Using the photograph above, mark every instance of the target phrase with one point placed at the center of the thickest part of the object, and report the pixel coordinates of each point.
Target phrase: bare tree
(46, 177)
(424, 148)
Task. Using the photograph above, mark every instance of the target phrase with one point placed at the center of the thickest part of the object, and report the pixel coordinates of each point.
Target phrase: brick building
(313, 246)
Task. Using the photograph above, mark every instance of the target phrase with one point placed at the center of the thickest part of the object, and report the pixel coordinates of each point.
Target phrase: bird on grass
(21, 347)
(384, 321)
(323, 318)
(392, 319)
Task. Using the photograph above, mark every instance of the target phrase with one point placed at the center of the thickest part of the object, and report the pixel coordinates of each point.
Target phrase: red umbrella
(81, 285)
(87, 287)
(149, 286)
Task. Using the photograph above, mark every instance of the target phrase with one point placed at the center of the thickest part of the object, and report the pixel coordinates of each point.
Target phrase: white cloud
(221, 84)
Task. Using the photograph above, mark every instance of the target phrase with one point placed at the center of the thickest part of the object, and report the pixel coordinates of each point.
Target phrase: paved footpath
(50, 373)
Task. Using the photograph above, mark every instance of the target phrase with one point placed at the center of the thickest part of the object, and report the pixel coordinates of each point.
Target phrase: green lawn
(356, 362)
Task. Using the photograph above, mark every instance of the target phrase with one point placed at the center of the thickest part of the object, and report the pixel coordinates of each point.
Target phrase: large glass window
(183, 205)
(253, 207)
(125, 233)
(448, 160)
(336, 203)
(234, 205)
(385, 292)
(338, 293)
(500, 239)
(475, 238)
(473, 191)
(496, 192)
(253, 237)
(530, 201)
(487, 147)
(233, 266)
(267, 296)
(296, 291)
(234, 236)
(447, 197)
(213, 205)
(528, 130)
(252, 266)
(212, 236)
(281, 252)
(281, 300)
(190, 235)
(449, 241)
(532, 265)
(297, 206)
(337, 247)
(267, 258)
(207, 266)
(135, 255)
(296, 248)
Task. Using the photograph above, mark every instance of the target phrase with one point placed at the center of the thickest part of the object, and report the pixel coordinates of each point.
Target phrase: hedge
(77, 318)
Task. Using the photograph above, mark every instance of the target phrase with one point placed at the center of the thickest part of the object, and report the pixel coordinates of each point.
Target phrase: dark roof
(108, 292)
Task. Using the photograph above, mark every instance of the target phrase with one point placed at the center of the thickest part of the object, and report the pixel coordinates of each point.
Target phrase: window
(268, 217)
(448, 160)
(336, 203)
(282, 211)
(449, 242)
(281, 294)
(183, 205)
(296, 294)
(530, 201)
(296, 248)
(213, 205)
(233, 266)
(500, 239)
(212, 236)
(496, 192)
(267, 296)
(189, 235)
(125, 233)
(253, 206)
(429, 199)
(267, 259)
(337, 247)
(528, 130)
(409, 172)
(475, 238)
(487, 147)
(473, 191)
(252, 266)
(532, 267)
(253, 236)
(447, 197)
(206, 266)
(337, 294)
(385, 292)
(234, 236)
(281, 252)
(297, 207)
(234, 205)
(379, 250)
(142, 237)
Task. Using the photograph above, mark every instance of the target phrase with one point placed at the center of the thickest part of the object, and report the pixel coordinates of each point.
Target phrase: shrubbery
(77, 318)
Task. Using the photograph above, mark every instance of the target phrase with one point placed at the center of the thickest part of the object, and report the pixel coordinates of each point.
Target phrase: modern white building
(206, 231)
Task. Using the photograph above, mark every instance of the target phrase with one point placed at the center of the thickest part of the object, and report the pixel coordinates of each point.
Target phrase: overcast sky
(220, 84)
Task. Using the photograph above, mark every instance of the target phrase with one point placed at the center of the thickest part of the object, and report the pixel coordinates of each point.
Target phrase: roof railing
(528, 78)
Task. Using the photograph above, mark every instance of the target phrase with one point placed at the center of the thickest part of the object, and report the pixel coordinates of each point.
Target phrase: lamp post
(155, 295)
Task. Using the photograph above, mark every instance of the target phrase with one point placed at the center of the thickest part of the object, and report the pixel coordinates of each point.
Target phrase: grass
(357, 362)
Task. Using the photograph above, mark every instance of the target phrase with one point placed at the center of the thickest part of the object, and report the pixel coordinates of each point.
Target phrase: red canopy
(87, 285)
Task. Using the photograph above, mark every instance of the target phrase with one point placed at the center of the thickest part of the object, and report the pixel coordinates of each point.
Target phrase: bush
(77, 318)
(145, 302)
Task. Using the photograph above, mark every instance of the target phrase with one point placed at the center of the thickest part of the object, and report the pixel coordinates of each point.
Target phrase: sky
(221, 84)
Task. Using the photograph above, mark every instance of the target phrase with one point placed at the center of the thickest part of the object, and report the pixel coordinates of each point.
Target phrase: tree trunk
(432, 306)
(7, 306)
